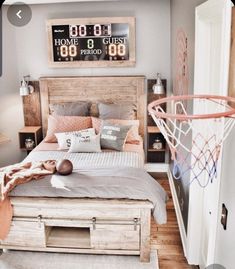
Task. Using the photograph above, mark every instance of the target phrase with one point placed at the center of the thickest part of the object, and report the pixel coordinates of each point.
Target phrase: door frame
(207, 14)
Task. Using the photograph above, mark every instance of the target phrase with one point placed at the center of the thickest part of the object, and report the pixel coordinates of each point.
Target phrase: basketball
(64, 167)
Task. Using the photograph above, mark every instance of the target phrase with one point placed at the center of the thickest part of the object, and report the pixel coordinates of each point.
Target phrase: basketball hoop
(195, 140)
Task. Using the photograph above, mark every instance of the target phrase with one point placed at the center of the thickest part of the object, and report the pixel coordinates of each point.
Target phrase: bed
(106, 218)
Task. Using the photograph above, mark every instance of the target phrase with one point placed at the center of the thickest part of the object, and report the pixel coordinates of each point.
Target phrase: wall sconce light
(25, 88)
(158, 87)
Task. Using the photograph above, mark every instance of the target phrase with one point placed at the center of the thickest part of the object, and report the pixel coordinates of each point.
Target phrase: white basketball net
(195, 144)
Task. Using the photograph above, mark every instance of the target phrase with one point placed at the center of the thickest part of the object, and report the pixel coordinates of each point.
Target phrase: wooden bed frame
(109, 89)
(97, 226)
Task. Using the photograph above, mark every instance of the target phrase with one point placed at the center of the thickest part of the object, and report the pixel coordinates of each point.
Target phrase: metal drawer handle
(94, 223)
(135, 224)
(39, 221)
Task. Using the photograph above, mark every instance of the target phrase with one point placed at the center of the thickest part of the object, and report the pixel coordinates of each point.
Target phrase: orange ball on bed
(64, 167)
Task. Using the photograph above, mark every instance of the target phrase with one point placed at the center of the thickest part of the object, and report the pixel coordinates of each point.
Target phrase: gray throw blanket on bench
(110, 183)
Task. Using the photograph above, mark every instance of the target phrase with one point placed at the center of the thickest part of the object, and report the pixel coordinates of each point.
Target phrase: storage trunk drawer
(26, 233)
(116, 237)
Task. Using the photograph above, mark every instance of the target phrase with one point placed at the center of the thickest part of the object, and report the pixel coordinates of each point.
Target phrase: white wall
(25, 52)
(153, 37)
(11, 115)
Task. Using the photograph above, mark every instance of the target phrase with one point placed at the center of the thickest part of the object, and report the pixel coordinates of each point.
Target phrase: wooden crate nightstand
(153, 133)
(155, 155)
(32, 132)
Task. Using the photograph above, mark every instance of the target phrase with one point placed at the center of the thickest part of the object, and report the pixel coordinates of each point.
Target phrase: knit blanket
(14, 175)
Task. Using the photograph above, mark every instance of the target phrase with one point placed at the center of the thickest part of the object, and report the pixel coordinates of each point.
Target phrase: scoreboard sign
(93, 42)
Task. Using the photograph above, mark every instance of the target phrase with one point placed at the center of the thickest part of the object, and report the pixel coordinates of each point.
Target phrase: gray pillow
(116, 111)
(70, 109)
(113, 136)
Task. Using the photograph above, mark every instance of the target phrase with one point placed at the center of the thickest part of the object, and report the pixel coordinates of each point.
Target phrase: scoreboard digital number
(93, 42)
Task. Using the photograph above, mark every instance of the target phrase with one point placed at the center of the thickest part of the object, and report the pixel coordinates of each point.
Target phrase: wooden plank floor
(166, 238)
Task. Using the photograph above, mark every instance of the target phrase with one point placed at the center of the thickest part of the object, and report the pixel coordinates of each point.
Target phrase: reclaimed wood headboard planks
(109, 89)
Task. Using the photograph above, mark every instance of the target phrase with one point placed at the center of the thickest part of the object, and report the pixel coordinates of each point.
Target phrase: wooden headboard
(129, 89)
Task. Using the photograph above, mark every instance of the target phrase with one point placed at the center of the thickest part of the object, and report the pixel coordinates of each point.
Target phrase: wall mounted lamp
(25, 88)
(158, 88)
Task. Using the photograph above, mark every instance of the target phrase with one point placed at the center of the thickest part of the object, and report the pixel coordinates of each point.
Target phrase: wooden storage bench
(81, 226)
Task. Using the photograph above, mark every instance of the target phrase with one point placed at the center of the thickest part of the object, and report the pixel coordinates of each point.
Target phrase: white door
(225, 241)
(212, 46)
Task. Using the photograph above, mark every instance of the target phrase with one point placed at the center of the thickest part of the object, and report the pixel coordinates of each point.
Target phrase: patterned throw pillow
(96, 124)
(64, 139)
(85, 144)
(113, 136)
(61, 124)
(133, 136)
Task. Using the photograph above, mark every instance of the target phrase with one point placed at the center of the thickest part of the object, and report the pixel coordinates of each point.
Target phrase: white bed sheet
(92, 160)
(132, 156)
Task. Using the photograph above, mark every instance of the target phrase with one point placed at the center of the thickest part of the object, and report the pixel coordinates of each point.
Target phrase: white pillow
(64, 139)
(88, 144)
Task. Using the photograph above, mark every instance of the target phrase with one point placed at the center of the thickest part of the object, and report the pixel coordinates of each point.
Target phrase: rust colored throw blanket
(14, 175)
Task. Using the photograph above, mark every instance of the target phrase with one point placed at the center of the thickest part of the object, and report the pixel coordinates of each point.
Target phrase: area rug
(42, 260)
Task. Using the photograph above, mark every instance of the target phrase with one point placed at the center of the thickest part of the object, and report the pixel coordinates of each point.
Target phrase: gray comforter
(119, 182)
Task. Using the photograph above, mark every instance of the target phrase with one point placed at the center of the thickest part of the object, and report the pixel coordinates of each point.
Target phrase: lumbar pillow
(64, 139)
(113, 136)
(85, 144)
